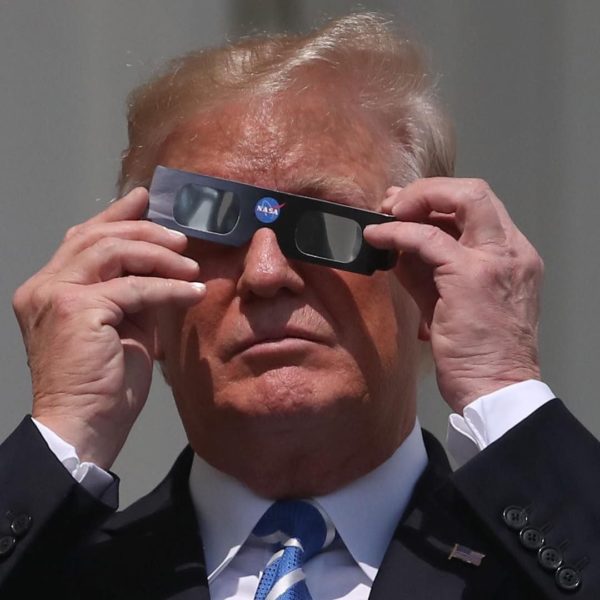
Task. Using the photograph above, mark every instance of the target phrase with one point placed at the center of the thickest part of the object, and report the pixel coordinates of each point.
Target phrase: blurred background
(521, 79)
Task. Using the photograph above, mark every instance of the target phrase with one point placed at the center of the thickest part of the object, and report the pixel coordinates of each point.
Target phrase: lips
(267, 337)
(271, 334)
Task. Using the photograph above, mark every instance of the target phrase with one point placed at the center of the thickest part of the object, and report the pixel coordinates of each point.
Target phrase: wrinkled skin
(476, 279)
(294, 378)
(312, 370)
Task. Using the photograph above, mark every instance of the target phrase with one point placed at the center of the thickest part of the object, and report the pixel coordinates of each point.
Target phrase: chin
(294, 391)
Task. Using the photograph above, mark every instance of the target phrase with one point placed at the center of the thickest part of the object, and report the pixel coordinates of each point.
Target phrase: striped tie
(298, 529)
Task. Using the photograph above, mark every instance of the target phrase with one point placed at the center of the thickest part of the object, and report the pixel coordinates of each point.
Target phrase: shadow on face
(280, 349)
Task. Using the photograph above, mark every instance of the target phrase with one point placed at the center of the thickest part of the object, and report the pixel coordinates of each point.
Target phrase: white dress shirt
(364, 512)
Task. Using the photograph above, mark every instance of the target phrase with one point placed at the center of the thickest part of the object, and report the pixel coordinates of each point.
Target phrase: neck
(303, 458)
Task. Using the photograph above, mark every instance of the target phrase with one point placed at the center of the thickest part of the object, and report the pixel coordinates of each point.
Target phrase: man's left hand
(475, 278)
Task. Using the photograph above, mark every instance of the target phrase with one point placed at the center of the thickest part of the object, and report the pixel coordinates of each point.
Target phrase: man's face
(278, 349)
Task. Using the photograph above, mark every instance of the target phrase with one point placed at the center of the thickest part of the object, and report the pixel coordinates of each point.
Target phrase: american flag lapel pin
(467, 555)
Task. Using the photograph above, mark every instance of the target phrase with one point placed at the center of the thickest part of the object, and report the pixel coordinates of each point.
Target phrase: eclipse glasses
(227, 212)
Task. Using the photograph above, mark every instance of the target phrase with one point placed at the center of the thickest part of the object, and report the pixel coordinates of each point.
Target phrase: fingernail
(198, 285)
(136, 191)
(190, 261)
(174, 232)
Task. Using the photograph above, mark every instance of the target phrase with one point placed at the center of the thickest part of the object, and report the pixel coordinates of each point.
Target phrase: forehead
(307, 144)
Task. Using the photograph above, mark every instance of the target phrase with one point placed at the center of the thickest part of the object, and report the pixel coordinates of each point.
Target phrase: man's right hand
(88, 326)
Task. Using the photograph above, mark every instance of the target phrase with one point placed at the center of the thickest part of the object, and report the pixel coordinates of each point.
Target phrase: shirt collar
(228, 511)
(367, 510)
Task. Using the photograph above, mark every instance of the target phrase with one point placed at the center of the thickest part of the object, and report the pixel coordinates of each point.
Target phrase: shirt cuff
(489, 417)
(94, 479)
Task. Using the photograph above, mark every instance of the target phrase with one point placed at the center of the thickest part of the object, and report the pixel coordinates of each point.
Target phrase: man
(293, 380)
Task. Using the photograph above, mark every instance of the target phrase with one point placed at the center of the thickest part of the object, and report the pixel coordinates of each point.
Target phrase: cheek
(185, 336)
(220, 267)
(408, 317)
(204, 320)
(216, 261)
(392, 318)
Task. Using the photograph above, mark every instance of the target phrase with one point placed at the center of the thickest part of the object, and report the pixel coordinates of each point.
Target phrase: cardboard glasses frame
(228, 212)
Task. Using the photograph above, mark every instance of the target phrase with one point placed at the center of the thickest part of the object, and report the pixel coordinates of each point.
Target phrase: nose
(266, 271)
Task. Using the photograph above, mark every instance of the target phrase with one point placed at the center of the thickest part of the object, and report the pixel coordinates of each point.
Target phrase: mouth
(289, 340)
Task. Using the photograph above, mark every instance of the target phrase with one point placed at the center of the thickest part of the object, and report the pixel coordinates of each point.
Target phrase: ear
(424, 330)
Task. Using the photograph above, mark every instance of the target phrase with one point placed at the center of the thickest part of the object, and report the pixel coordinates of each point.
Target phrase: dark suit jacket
(549, 465)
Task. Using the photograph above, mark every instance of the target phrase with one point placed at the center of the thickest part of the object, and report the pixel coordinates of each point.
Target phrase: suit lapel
(416, 565)
(152, 549)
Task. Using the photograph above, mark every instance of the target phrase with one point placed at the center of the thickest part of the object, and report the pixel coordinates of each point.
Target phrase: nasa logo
(267, 210)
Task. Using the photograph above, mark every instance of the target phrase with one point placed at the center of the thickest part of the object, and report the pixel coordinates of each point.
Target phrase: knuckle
(20, 298)
(431, 234)
(27, 297)
(108, 245)
(139, 286)
(478, 189)
(44, 302)
(526, 260)
(74, 231)
(534, 264)
(521, 266)
(39, 298)
(135, 282)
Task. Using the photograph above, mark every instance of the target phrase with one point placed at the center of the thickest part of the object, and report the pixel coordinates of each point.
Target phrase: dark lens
(206, 208)
(328, 236)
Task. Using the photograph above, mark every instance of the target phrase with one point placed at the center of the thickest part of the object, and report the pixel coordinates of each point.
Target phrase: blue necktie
(298, 529)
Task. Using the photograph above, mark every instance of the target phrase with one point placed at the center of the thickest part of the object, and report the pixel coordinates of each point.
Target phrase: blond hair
(359, 55)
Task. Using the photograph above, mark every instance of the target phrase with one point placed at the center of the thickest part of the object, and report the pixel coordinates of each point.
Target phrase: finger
(130, 295)
(508, 224)
(390, 198)
(434, 246)
(113, 257)
(130, 207)
(470, 200)
(444, 222)
(82, 236)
